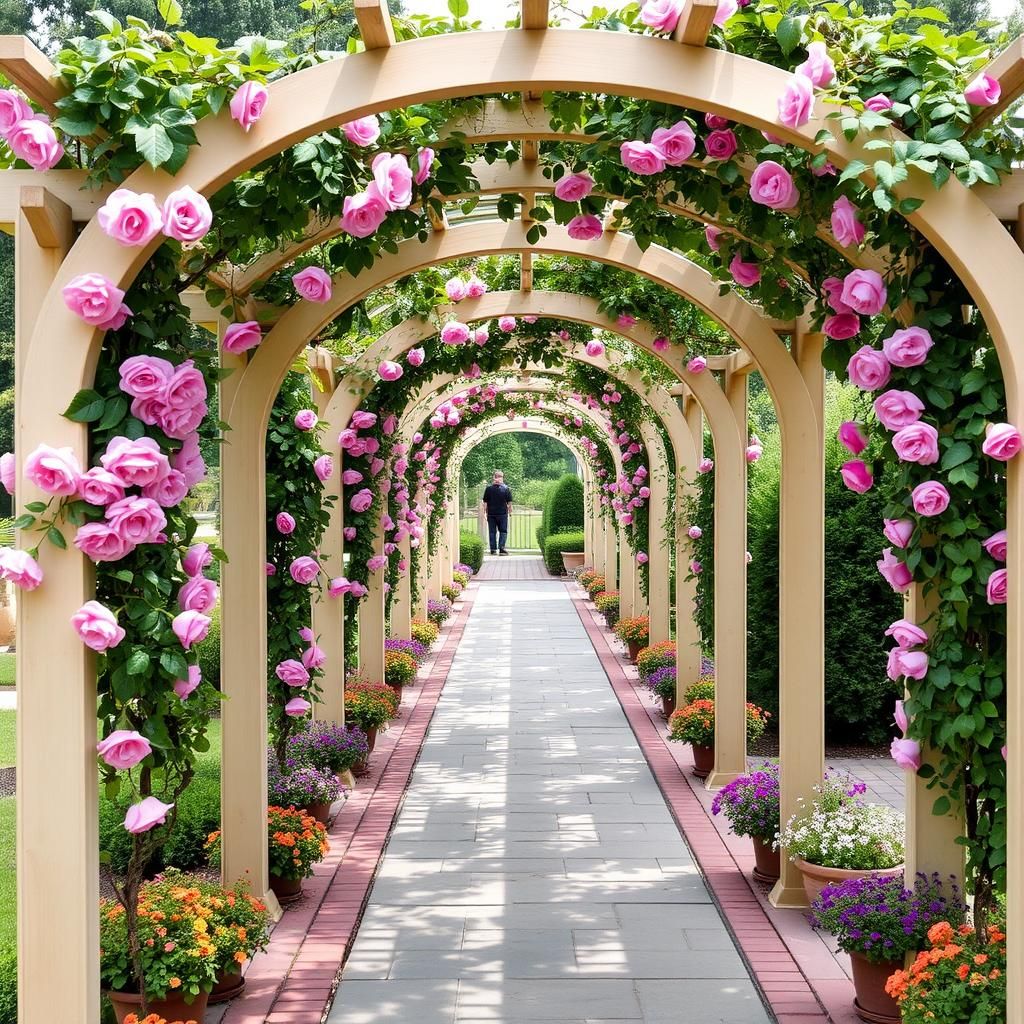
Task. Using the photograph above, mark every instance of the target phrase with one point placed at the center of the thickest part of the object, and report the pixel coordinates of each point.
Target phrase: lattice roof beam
(695, 22)
(48, 216)
(535, 14)
(526, 272)
(375, 26)
(31, 71)
(1008, 70)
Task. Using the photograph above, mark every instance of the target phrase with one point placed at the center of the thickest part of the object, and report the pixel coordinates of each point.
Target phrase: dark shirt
(497, 498)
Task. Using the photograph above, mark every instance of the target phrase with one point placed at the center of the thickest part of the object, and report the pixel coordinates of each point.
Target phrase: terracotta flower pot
(817, 876)
(173, 1007)
(703, 760)
(361, 767)
(226, 987)
(634, 650)
(668, 705)
(572, 560)
(767, 862)
(321, 811)
(287, 890)
(872, 1002)
(371, 737)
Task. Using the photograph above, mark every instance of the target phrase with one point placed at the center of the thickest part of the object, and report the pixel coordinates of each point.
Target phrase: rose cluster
(29, 135)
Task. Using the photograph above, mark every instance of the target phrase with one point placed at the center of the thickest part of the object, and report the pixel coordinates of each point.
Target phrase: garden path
(512, 567)
(535, 872)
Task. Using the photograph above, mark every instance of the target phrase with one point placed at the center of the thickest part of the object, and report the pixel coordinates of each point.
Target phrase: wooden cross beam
(534, 14)
(695, 22)
(375, 26)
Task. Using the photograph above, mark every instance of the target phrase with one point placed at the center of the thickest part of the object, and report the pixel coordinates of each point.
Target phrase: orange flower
(240, 957)
(962, 971)
(174, 983)
(980, 958)
(941, 933)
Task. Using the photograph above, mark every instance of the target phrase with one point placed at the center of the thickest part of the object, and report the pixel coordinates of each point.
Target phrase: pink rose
(304, 569)
(292, 672)
(715, 121)
(818, 67)
(35, 142)
(711, 236)
(364, 131)
(585, 227)
(675, 144)
(415, 356)
(338, 587)
(186, 388)
(347, 438)
(145, 376)
(878, 103)
(297, 707)
(660, 344)
(95, 299)
(146, 815)
(796, 102)
(389, 371)
(984, 91)
(904, 664)
(305, 419)
(351, 476)
(852, 437)
(270, 568)
(137, 520)
(313, 284)
(130, 219)
(455, 289)
(393, 179)
(240, 338)
(995, 589)
(754, 452)
(8, 472)
(187, 215)
(248, 102)
(390, 425)
(641, 557)
(744, 273)
(906, 754)
(868, 369)
(179, 423)
(314, 658)
(190, 627)
(475, 287)
(899, 716)
(661, 15)
(898, 409)
(571, 188)
(996, 546)
(376, 562)
(725, 10)
(507, 324)
(895, 572)
(841, 326)
(917, 443)
(930, 498)
(284, 522)
(846, 226)
(54, 470)
(123, 749)
(696, 568)
(306, 634)
(324, 468)
(832, 289)
(424, 161)
(772, 185)
(721, 144)
(642, 157)
(454, 333)
(907, 347)
(694, 533)
(20, 568)
(898, 531)
(907, 634)
(857, 476)
(196, 559)
(183, 687)
(169, 490)
(594, 349)
(135, 463)
(698, 364)
(12, 110)
(364, 212)
(705, 466)
(1002, 441)
(864, 292)
(198, 594)
(97, 626)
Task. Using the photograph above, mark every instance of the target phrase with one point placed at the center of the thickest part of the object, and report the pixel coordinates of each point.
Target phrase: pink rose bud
(305, 419)
(900, 717)
(240, 338)
(123, 749)
(694, 533)
(705, 466)
(196, 559)
(183, 687)
(313, 284)
(857, 476)
(97, 626)
(248, 102)
(641, 557)
(898, 531)
(996, 587)
(424, 160)
(96, 300)
(996, 546)
(270, 568)
(594, 349)
(696, 568)
(878, 103)
(984, 91)
(796, 103)
(146, 815)
(895, 572)
(363, 420)
(841, 326)
(8, 472)
(338, 586)
(20, 568)
(349, 533)
(585, 227)
(297, 707)
(818, 67)
(187, 215)
(907, 634)
(906, 753)
(285, 523)
(1002, 441)
(190, 627)
(415, 356)
(364, 131)
(846, 226)
(389, 371)
(852, 437)
(754, 452)
(198, 594)
(314, 657)
(744, 273)
(711, 236)
(129, 218)
(393, 178)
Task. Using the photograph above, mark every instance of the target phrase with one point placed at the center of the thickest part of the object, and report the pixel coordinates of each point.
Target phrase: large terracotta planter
(172, 1008)
(371, 737)
(873, 1003)
(226, 987)
(817, 876)
(287, 890)
(634, 650)
(668, 706)
(767, 862)
(321, 812)
(572, 560)
(703, 760)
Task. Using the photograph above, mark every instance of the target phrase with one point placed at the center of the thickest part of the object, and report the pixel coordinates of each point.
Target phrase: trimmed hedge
(8, 986)
(557, 543)
(209, 649)
(563, 509)
(471, 550)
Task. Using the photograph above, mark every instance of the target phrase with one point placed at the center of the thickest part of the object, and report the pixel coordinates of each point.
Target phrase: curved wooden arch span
(954, 221)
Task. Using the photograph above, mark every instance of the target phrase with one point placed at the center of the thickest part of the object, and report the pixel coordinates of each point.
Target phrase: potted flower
(311, 789)
(329, 747)
(703, 689)
(841, 836)
(425, 632)
(369, 707)
(461, 569)
(419, 652)
(662, 683)
(695, 724)
(607, 603)
(399, 669)
(960, 978)
(634, 632)
(572, 560)
(451, 591)
(594, 586)
(460, 577)
(179, 957)
(751, 805)
(656, 656)
(878, 922)
(585, 575)
(438, 611)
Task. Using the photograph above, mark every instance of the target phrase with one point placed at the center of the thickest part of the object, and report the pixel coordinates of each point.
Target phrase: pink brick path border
(800, 979)
(293, 982)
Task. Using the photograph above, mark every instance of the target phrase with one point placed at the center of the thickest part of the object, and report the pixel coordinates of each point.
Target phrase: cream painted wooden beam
(1008, 70)
(375, 26)
(67, 186)
(31, 71)
(695, 22)
(526, 272)
(48, 217)
(535, 14)
(531, 150)
(438, 221)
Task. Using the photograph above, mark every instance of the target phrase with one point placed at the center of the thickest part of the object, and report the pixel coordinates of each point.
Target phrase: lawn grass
(8, 918)
(6, 738)
(7, 669)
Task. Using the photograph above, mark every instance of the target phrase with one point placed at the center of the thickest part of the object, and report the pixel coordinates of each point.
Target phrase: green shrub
(557, 543)
(563, 509)
(471, 550)
(209, 650)
(8, 986)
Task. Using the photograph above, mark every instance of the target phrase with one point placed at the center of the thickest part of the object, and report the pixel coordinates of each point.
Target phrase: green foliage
(7, 745)
(556, 543)
(209, 651)
(563, 509)
(471, 550)
(502, 451)
(8, 986)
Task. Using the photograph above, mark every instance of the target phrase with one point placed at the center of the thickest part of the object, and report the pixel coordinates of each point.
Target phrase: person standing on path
(498, 502)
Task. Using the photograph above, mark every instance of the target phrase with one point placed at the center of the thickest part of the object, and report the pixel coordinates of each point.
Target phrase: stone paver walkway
(535, 873)
(513, 567)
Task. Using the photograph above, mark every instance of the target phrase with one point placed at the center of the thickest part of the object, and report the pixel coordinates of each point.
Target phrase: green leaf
(113, 413)
(138, 663)
(153, 144)
(956, 454)
(77, 126)
(788, 33)
(85, 407)
(458, 8)
(56, 538)
(854, 169)
(37, 506)
(955, 151)
(23, 522)
(170, 11)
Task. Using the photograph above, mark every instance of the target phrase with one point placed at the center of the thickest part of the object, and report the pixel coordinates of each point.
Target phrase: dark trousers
(498, 529)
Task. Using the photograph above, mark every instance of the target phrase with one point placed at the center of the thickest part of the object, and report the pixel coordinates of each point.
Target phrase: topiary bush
(471, 550)
(557, 543)
(209, 650)
(563, 509)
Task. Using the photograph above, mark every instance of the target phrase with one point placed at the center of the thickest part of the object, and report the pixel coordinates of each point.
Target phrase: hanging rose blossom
(187, 216)
(715, 121)
(304, 570)
(136, 463)
(297, 707)
(1002, 441)
(898, 531)
(123, 749)
(270, 568)
(585, 227)
(895, 572)
(20, 568)
(146, 815)
(661, 15)
(698, 364)
(415, 356)
(917, 443)
(35, 142)
(363, 213)
(130, 218)
(198, 595)
(641, 558)
(313, 284)
(13, 108)
(594, 349)
(454, 333)
(475, 287)
(507, 324)
(900, 717)
(324, 468)
(996, 587)
(846, 226)
(183, 687)
(137, 520)
(97, 626)
(996, 546)
(907, 634)
(897, 409)
(292, 673)
(796, 102)
(190, 627)
(930, 498)
(351, 476)
(197, 558)
(818, 67)
(314, 657)
(721, 144)
(338, 587)
(102, 543)
(841, 326)
(984, 91)
(725, 10)
(361, 500)
(868, 369)
(864, 292)
(907, 347)
(744, 273)
(54, 470)
(857, 476)
(832, 289)
(481, 335)
(878, 103)
(248, 102)
(852, 437)
(711, 236)
(660, 344)
(676, 144)
(285, 523)
(96, 300)
(705, 466)
(772, 185)
(906, 753)
(642, 157)
(364, 131)
(389, 371)
(240, 338)
(424, 160)
(393, 179)
(571, 188)
(904, 664)
(694, 533)
(696, 568)
(8, 472)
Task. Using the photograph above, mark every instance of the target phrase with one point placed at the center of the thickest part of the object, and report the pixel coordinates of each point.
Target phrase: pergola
(58, 237)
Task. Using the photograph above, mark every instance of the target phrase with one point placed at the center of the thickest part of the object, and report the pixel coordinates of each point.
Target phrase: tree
(545, 458)
(501, 451)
